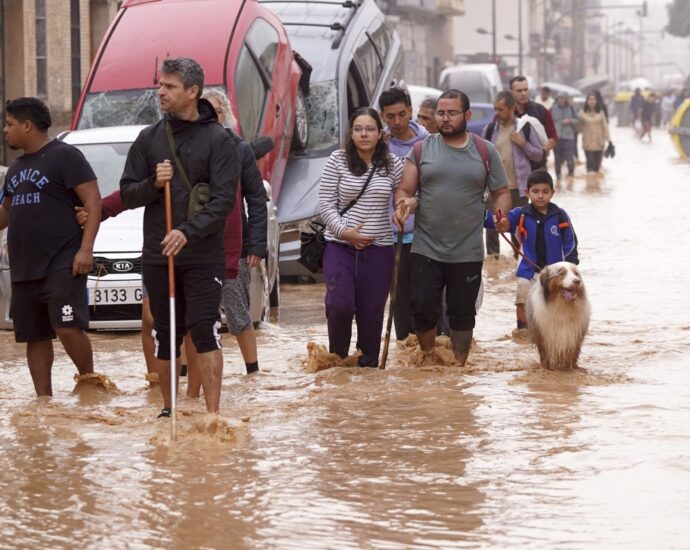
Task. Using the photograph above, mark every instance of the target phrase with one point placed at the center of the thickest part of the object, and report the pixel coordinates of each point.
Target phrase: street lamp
(511, 37)
(519, 37)
(482, 30)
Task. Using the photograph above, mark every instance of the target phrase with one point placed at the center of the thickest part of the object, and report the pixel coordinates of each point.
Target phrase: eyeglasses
(449, 114)
(364, 129)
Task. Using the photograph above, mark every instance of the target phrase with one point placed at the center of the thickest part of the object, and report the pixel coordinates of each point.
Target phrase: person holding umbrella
(189, 151)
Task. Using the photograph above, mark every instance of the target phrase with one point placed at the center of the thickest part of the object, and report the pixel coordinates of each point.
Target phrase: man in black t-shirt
(50, 254)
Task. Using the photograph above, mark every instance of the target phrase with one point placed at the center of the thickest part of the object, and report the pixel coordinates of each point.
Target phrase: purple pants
(357, 285)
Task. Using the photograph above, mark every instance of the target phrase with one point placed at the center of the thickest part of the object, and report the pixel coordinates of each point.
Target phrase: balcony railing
(450, 7)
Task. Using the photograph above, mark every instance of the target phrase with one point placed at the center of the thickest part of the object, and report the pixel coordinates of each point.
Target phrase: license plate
(114, 295)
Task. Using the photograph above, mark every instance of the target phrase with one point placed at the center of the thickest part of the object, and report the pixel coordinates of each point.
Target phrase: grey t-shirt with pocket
(450, 217)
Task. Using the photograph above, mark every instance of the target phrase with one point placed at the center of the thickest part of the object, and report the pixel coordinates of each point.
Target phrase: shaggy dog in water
(558, 315)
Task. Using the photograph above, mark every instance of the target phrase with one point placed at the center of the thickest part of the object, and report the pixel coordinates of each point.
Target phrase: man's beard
(455, 132)
(13, 147)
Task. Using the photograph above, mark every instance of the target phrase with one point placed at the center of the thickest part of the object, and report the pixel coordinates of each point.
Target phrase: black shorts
(198, 291)
(428, 278)
(41, 306)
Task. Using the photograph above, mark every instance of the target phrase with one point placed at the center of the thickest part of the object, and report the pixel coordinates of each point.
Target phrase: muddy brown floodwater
(498, 455)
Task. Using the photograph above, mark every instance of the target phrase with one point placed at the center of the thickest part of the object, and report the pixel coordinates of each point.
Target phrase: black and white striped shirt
(339, 186)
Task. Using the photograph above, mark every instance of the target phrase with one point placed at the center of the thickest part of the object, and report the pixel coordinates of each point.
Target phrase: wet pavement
(499, 454)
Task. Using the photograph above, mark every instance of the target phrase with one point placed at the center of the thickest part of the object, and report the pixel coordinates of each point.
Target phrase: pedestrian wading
(355, 197)
(208, 155)
(447, 194)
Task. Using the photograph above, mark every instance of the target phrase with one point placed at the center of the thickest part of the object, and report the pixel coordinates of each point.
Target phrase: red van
(243, 49)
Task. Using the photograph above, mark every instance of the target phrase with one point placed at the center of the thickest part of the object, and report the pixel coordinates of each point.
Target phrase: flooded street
(500, 454)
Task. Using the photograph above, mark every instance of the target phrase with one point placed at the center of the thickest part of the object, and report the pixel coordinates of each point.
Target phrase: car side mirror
(262, 145)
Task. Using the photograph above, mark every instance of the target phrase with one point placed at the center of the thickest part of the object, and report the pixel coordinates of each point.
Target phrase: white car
(419, 94)
(114, 284)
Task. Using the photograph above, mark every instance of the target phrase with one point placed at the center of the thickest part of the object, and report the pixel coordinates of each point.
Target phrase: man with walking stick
(452, 172)
(192, 152)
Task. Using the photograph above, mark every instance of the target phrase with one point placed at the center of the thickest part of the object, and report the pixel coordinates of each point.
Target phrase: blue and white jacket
(559, 235)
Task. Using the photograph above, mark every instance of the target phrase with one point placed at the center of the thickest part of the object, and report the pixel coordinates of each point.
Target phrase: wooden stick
(394, 291)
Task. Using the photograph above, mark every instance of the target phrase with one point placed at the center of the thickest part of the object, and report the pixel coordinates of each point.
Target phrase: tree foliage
(679, 18)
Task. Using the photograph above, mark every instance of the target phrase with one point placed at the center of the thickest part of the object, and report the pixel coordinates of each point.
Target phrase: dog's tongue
(568, 295)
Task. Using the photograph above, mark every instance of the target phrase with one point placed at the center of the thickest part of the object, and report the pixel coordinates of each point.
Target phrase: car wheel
(300, 134)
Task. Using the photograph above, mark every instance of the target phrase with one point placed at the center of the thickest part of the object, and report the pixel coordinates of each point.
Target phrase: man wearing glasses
(445, 187)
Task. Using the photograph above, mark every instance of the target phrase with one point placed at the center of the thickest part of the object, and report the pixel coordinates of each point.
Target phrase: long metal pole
(173, 335)
(520, 36)
(608, 66)
(493, 30)
(544, 35)
(641, 47)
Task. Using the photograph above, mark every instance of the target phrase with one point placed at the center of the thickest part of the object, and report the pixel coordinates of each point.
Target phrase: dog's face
(562, 280)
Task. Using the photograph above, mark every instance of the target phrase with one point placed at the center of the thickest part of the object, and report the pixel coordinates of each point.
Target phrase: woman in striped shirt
(359, 254)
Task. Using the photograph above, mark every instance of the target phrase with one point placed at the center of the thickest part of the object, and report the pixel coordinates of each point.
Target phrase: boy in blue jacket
(544, 233)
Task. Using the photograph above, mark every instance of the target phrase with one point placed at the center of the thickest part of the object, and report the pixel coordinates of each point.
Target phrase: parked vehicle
(114, 284)
(354, 56)
(419, 94)
(482, 114)
(245, 52)
(480, 81)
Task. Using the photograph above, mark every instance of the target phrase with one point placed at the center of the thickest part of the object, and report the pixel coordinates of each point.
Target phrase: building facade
(425, 28)
(46, 48)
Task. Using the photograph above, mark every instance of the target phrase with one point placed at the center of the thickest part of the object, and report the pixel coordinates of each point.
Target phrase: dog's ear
(544, 282)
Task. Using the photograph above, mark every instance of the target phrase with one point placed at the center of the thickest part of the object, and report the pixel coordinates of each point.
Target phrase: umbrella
(591, 83)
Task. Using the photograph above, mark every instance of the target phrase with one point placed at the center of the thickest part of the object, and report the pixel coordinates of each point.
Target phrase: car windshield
(322, 108)
(120, 108)
(123, 108)
(108, 162)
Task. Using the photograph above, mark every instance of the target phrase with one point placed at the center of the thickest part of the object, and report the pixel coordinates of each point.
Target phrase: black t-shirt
(43, 233)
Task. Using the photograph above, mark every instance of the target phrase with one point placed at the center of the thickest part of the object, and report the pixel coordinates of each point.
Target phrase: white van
(466, 78)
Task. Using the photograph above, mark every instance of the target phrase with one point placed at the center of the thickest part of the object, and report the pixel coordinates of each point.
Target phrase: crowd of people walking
(428, 187)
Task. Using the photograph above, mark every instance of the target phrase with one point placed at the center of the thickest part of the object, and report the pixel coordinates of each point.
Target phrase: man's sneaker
(165, 413)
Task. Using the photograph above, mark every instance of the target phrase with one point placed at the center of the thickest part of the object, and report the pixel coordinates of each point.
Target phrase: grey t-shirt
(450, 217)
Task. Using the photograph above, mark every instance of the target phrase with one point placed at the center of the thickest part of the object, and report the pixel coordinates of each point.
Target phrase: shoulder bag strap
(176, 159)
(484, 154)
(417, 152)
(354, 201)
